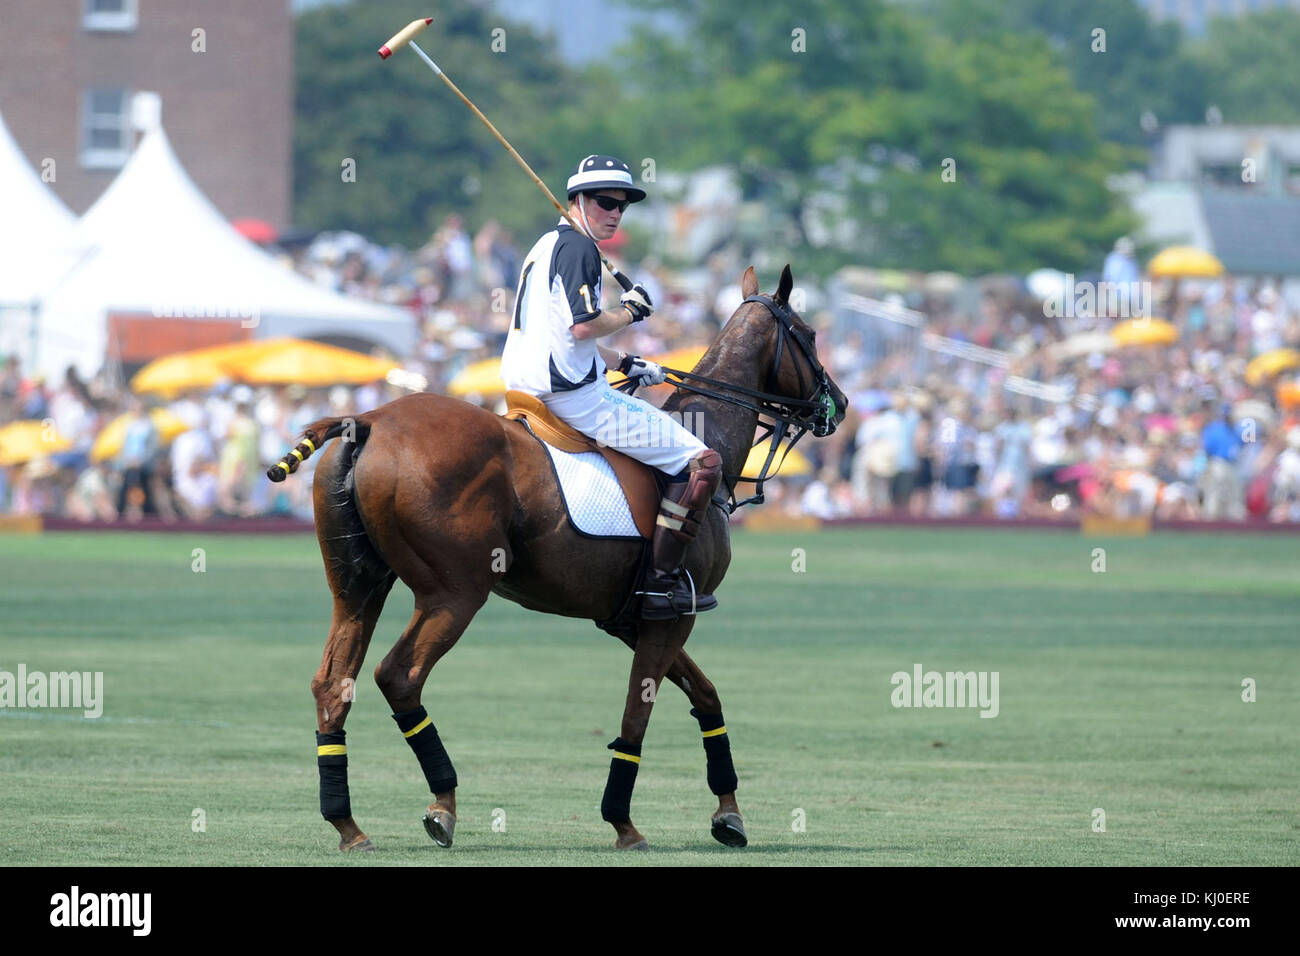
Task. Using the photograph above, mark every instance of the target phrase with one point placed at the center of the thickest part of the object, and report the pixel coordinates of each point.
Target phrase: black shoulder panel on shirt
(576, 260)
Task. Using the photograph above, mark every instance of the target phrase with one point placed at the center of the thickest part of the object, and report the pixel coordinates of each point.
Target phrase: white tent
(162, 250)
(37, 245)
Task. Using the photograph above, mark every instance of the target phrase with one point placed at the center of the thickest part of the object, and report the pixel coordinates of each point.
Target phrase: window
(105, 129)
(115, 15)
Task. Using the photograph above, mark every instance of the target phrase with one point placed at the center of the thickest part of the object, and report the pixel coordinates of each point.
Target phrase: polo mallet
(406, 37)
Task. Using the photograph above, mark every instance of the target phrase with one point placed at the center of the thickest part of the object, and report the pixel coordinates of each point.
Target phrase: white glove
(637, 301)
(649, 373)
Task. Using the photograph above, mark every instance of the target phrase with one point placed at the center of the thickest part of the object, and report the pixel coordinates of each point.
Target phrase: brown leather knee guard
(680, 511)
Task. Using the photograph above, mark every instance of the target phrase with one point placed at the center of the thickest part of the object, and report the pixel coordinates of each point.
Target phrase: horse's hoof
(362, 844)
(440, 825)
(729, 829)
(641, 844)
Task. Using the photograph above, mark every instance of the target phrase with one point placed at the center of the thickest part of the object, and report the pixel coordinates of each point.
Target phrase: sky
(583, 27)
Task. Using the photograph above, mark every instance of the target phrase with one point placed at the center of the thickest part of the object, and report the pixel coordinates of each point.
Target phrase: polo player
(552, 353)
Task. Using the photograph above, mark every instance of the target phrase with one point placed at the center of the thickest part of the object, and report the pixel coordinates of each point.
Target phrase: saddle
(640, 487)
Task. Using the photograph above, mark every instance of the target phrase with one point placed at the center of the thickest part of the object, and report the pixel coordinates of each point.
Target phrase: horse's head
(789, 354)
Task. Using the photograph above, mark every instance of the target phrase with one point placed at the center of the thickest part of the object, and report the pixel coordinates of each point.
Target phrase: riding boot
(665, 588)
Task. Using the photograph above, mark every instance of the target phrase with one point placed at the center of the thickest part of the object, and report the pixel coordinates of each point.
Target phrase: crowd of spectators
(1168, 431)
(1165, 431)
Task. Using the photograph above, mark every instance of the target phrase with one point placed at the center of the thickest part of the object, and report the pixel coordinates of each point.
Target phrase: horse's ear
(784, 287)
(749, 283)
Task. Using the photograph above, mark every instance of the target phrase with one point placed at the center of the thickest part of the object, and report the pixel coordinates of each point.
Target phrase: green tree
(868, 113)
(994, 166)
(420, 153)
(1113, 50)
(1251, 67)
(754, 86)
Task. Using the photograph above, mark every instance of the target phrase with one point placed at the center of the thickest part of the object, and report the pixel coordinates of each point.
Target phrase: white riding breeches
(663, 440)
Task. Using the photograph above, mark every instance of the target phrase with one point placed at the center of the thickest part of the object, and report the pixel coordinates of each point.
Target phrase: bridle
(796, 416)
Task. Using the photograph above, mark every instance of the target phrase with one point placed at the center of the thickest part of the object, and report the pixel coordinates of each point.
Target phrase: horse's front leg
(657, 646)
(727, 825)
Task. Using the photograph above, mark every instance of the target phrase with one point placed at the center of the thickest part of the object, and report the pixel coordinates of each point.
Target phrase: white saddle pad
(592, 494)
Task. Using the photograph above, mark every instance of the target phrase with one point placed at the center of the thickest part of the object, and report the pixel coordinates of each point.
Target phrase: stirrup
(668, 609)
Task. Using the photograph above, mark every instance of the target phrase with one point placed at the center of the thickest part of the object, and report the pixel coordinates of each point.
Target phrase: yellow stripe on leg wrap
(331, 750)
(629, 757)
(418, 727)
(714, 733)
(672, 524)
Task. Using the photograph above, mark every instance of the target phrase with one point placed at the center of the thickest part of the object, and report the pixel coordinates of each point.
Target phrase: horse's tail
(354, 566)
(314, 436)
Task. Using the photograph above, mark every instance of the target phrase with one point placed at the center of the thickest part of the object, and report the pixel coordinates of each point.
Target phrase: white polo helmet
(604, 172)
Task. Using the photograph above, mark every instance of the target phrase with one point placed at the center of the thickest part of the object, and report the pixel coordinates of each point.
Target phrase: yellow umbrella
(110, 439)
(199, 368)
(1263, 367)
(23, 441)
(1136, 332)
(282, 361)
(481, 378)
(1180, 261)
(795, 462)
(303, 362)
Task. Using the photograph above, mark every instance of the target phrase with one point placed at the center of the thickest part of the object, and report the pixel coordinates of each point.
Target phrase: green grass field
(1119, 690)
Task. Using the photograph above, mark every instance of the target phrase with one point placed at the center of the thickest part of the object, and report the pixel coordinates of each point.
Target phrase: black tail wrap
(312, 442)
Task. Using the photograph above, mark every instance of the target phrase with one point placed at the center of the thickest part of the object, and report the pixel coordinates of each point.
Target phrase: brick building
(68, 69)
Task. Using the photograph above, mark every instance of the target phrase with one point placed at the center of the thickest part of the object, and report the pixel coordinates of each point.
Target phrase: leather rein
(790, 415)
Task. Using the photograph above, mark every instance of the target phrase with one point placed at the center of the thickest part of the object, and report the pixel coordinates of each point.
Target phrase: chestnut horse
(460, 503)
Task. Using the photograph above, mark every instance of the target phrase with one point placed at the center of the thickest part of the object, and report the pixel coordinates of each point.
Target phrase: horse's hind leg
(434, 629)
(360, 581)
(334, 687)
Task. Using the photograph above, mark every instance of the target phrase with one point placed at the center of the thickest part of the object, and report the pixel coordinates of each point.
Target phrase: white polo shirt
(559, 287)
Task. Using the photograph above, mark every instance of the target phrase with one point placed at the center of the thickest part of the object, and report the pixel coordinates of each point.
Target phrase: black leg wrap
(717, 753)
(332, 763)
(616, 805)
(420, 733)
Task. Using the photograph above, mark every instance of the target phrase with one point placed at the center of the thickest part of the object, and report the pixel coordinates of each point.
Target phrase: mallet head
(403, 36)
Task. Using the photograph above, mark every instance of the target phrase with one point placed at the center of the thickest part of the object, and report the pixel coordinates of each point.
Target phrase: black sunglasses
(609, 203)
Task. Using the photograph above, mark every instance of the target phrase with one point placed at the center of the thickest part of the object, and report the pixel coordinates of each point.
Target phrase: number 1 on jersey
(523, 294)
